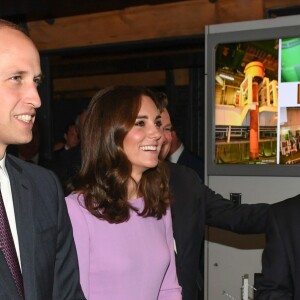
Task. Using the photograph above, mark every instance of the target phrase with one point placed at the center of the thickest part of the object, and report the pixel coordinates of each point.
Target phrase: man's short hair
(9, 24)
(161, 101)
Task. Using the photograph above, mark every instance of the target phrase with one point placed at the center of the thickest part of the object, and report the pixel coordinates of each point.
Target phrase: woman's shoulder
(74, 196)
(75, 201)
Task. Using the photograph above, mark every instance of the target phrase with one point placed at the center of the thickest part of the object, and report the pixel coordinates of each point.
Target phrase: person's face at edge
(167, 133)
(71, 137)
(20, 74)
(143, 142)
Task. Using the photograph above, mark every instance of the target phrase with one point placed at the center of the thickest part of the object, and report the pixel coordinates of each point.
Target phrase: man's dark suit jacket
(194, 206)
(47, 249)
(281, 256)
(192, 161)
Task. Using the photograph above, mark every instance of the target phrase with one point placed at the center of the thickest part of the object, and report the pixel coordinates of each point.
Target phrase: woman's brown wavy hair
(106, 171)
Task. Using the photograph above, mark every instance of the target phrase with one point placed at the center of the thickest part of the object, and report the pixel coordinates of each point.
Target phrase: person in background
(67, 165)
(179, 154)
(281, 256)
(71, 139)
(120, 207)
(80, 119)
(196, 205)
(38, 258)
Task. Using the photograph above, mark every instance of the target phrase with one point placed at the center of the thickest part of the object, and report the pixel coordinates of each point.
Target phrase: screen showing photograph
(257, 102)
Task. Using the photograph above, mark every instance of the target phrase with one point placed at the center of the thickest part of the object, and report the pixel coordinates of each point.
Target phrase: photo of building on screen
(246, 103)
(289, 95)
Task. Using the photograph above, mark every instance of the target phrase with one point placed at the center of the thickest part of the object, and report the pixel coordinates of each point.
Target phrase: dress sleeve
(170, 288)
(82, 240)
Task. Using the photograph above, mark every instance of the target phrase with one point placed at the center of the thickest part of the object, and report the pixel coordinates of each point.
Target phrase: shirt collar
(175, 156)
(2, 164)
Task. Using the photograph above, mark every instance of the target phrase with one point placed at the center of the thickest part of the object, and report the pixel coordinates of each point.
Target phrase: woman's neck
(132, 189)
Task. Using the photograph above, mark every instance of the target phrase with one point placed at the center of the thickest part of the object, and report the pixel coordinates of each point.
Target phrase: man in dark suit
(194, 206)
(68, 163)
(71, 140)
(38, 258)
(179, 154)
(281, 256)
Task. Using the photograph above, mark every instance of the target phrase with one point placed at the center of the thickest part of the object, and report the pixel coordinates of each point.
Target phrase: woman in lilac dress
(120, 205)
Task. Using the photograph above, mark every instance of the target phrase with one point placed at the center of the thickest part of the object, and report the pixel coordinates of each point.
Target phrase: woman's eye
(167, 129)
(140, 123)
(158, 124)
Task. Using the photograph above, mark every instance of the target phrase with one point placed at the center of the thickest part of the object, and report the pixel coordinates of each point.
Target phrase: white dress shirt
(9, 205)
(175, 156)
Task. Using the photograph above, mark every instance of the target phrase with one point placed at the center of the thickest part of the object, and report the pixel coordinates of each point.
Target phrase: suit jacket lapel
(22, 194)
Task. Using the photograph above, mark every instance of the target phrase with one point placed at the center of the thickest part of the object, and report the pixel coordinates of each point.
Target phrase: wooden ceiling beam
(33, 10)
(94, 83)
(177, 19)
(129, 64)
(148, 22)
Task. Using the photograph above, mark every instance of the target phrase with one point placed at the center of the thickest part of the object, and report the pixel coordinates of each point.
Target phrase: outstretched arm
(244, 218)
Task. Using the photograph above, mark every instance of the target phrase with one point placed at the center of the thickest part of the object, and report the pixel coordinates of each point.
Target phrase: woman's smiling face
(143, 142)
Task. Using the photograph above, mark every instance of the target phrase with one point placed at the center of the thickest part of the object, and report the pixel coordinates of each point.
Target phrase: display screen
(256, 93)
(257, 109)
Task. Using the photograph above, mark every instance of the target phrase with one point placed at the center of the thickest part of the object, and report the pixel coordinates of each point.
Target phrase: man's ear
(174, 135)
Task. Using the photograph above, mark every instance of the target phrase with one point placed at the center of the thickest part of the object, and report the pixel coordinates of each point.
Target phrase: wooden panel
(48, 9)
(94, 83)
(97, 82)
(127, 64)
(132, 24)
(280, 3)
(239, 10)
(179, 19)
(181, 77)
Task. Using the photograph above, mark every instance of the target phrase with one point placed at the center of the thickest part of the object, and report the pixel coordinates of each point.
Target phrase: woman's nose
(156, 133)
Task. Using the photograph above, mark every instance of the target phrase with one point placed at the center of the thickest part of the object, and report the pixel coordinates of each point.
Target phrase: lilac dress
(133, 260)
